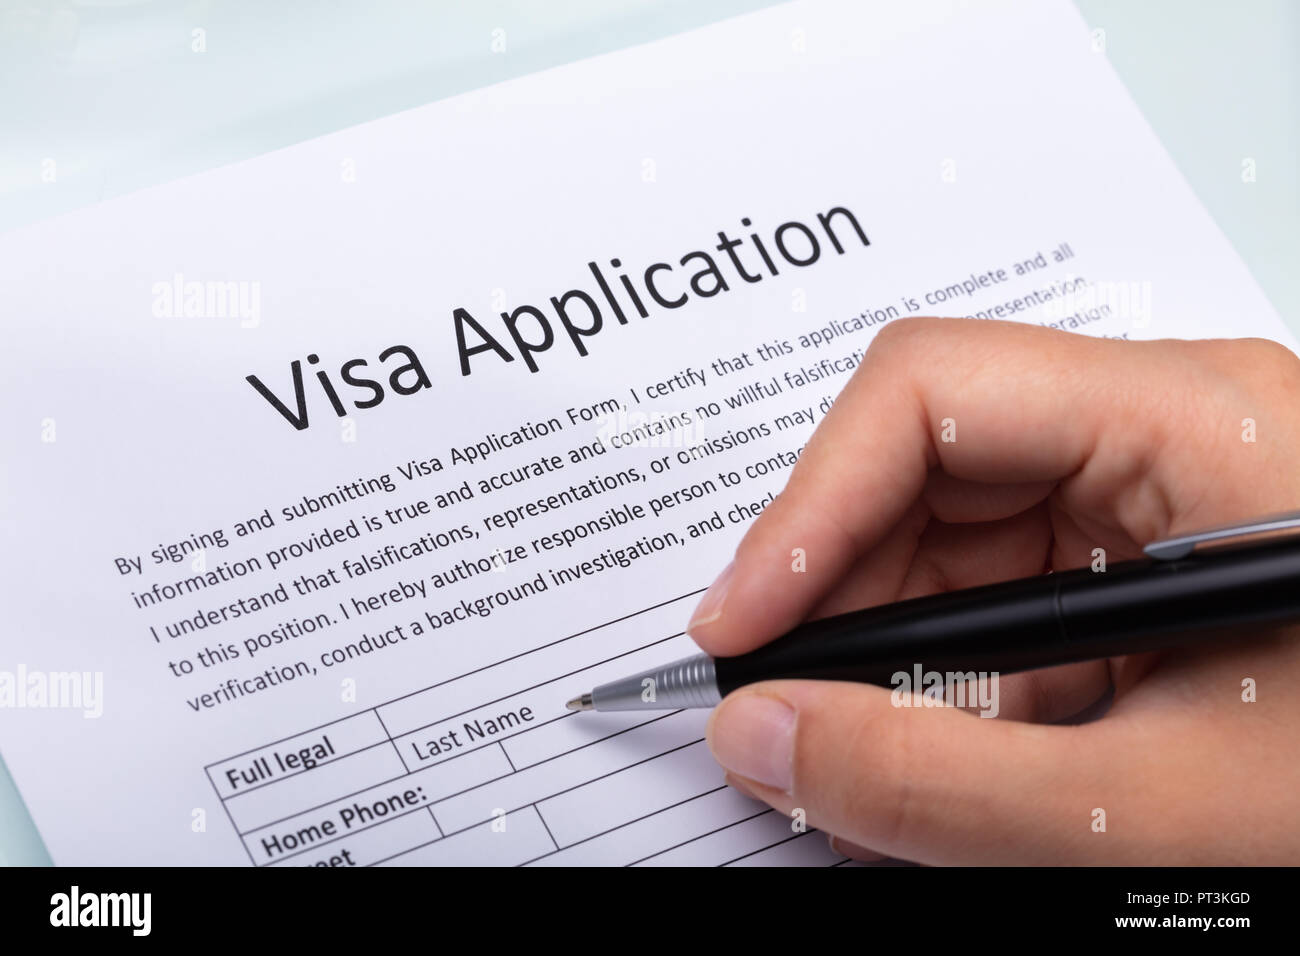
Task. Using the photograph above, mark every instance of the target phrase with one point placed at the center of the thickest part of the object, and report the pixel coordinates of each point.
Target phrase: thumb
(932, 785)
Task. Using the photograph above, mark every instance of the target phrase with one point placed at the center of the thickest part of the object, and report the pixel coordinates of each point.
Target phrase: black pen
(1195, 586)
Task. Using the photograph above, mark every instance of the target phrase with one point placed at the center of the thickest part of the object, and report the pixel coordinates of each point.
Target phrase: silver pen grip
(689, 682)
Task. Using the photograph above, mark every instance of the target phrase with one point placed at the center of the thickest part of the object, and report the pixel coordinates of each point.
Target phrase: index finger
(986, 401)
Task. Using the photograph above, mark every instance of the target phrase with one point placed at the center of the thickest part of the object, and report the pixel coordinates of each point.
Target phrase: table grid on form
(461, 772)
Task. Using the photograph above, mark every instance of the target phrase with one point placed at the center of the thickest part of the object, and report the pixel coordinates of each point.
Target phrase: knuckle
(899, 349)
(1250, 358)
(1275, 360)
(900, 331)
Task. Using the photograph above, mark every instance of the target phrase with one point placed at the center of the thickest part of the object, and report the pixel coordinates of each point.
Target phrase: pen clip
(1171, 549)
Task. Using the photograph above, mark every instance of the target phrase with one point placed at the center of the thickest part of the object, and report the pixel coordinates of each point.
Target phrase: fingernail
(710, 607)
(752, 735)
(854, 852)
(739, 785)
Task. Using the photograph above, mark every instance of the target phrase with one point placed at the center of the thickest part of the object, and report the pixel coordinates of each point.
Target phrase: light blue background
(112, 92)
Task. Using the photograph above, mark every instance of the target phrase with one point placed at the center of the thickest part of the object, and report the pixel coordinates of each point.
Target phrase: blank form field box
(631, 794)
(760, 827)
(507, 840)
(662, 729)
(656, 833)
(545, 677)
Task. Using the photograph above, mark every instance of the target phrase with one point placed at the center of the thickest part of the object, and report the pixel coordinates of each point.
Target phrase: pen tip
(581, 703)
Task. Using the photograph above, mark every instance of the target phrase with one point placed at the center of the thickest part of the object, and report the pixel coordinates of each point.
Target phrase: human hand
(1064, 443)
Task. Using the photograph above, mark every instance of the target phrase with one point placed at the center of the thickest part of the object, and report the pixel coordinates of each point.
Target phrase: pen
(1193, 586)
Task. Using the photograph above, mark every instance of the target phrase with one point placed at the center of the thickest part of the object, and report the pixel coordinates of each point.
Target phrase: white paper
(962, 138)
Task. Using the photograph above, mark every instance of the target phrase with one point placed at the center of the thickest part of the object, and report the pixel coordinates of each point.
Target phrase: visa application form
(330, 475)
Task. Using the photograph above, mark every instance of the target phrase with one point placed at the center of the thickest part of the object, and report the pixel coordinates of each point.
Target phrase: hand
(1063, 444)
